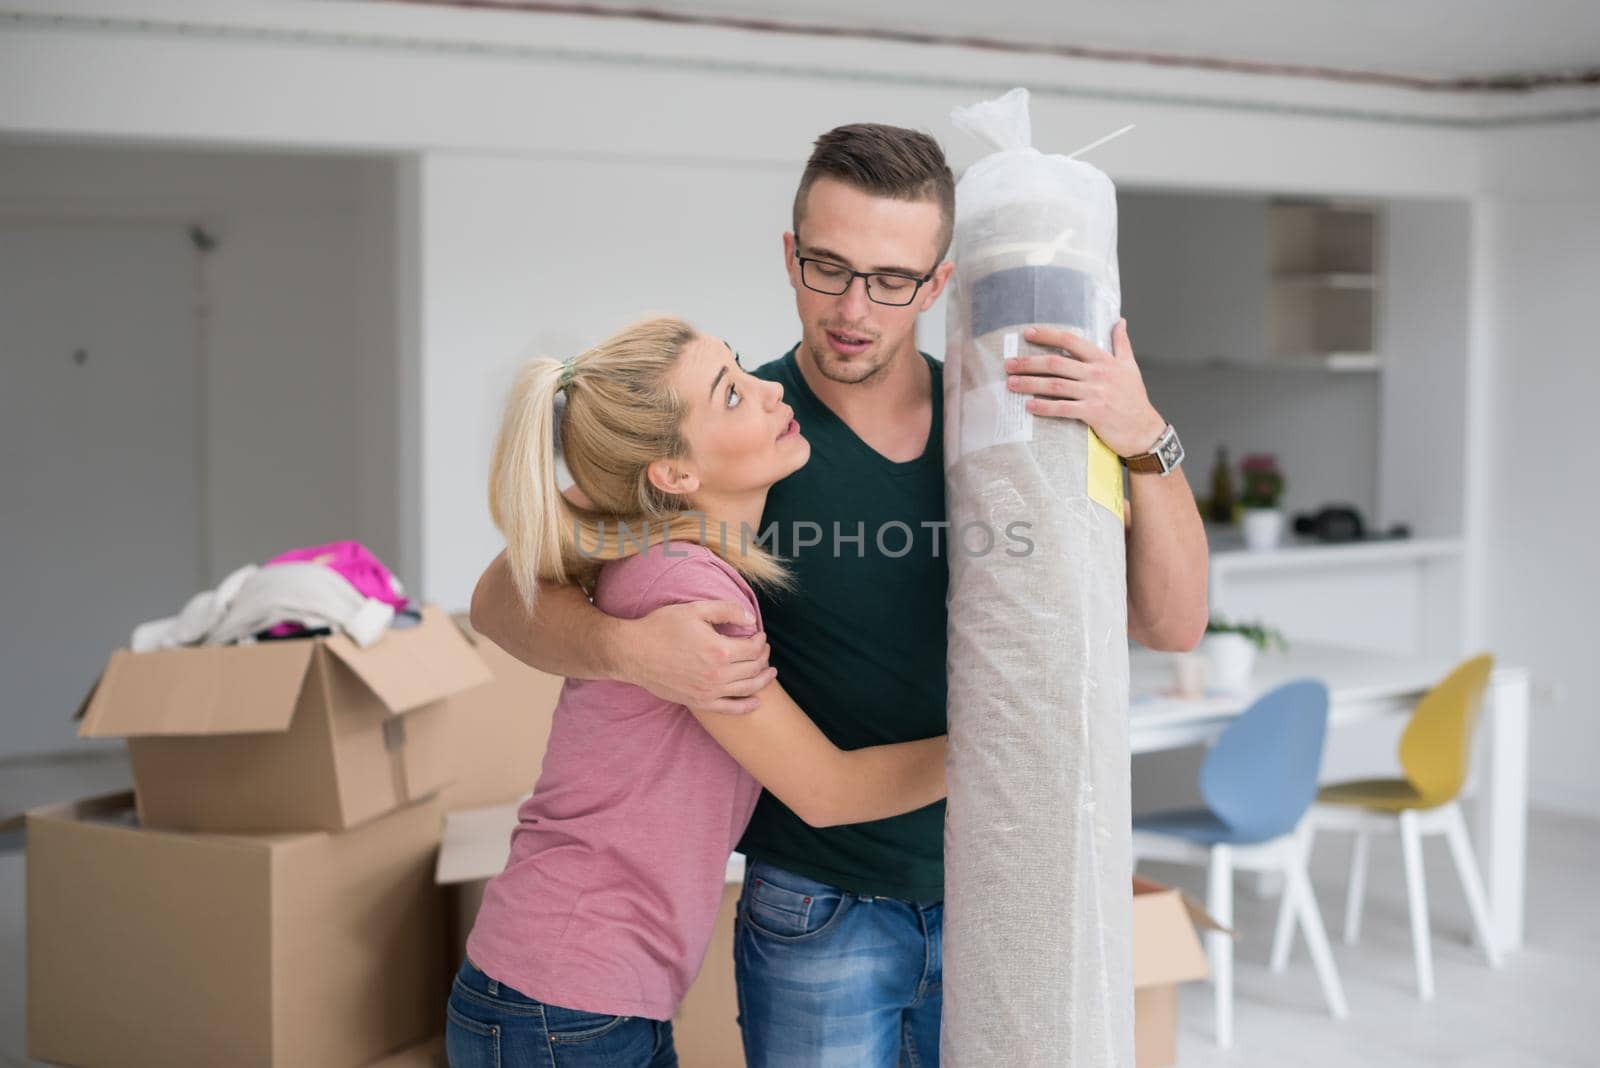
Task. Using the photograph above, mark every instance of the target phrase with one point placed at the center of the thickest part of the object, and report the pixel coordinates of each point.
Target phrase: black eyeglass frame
(866, 277)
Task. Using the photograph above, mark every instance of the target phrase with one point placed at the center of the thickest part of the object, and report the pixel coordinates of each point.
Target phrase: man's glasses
(895, 290)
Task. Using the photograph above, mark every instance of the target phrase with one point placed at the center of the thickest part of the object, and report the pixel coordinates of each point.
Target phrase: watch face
(1170, 450)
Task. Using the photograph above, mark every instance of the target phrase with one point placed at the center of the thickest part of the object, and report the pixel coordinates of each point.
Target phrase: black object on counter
(1342, 523)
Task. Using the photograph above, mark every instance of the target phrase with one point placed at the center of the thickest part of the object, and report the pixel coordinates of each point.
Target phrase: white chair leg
(1455, 833)
(1357, 888)
(1219, 902)
(1283, 932)
(1299, 889)
(1417, 897)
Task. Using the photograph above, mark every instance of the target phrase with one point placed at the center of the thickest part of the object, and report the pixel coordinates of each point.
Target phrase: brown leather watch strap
(1146, 463)
(1166, 446)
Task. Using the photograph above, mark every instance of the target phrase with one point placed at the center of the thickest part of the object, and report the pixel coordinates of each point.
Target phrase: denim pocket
(470, 1043)
(573, 1025)
(781, 912)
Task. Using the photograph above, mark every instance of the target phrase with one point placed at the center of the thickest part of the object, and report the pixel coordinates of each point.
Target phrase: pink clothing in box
(359, 567)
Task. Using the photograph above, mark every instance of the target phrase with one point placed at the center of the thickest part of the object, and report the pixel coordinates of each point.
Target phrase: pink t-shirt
(607, 901)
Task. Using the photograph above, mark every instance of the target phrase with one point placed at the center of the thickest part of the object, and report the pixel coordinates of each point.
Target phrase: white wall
(1542, 455)
(298, 326)
(99, 454)
(545, 256)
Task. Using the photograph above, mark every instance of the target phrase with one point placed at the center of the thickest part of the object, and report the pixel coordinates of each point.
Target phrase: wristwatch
(1163, 456)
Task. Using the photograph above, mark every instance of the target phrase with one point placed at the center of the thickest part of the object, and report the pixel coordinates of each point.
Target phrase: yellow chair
(1435, 754)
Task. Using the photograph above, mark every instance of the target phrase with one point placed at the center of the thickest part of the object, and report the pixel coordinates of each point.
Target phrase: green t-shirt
(860, 641)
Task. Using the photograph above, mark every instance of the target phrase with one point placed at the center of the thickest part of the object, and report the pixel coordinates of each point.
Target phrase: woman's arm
(823, 784)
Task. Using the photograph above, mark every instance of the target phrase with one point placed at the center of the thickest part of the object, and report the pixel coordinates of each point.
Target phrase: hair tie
(568, 369)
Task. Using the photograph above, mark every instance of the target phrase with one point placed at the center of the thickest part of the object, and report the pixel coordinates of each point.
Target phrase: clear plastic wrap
(1038, 909)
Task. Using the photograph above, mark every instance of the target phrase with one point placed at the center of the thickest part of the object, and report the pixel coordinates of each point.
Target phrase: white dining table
(1366, 686)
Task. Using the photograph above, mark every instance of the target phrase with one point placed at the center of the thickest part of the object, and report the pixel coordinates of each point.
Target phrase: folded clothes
(255, 599)
(197, 619)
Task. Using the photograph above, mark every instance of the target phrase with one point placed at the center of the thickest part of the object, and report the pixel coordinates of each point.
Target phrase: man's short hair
(885, 161)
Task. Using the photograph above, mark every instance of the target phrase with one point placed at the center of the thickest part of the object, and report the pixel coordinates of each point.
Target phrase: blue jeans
(833, 979)
(490, 1025)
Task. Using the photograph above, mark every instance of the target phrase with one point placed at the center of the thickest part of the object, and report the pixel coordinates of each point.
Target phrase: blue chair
(1257, 782)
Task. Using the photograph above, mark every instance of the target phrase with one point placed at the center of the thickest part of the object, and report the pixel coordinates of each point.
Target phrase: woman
(587, 941)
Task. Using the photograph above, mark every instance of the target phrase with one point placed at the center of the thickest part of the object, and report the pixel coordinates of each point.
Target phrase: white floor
(1541, 1010)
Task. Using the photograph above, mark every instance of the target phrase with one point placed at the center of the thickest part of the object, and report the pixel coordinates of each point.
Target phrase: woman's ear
(673, 476)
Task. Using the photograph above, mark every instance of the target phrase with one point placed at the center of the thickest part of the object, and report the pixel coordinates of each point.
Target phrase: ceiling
(1444, 40)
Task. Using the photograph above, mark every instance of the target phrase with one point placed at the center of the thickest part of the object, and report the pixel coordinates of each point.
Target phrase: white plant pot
(1232, 658)
(1263, 528)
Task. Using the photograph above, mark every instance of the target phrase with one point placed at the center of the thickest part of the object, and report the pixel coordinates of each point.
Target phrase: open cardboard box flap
(403, 680)
(475, 843)
(1166, 947)
(205, 690)
(249, 689)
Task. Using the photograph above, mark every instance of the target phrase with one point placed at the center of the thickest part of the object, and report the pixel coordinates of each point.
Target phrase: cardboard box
(317, 734)
(429, 1054)
(151, 947)
(1166, 952)
(1166, 947)
(498, 732)
(472, 850)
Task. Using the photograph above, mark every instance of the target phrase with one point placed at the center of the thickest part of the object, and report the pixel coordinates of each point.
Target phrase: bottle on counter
(1222, 493)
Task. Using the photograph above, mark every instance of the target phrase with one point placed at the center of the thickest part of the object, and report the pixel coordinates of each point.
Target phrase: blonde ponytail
(525, 499)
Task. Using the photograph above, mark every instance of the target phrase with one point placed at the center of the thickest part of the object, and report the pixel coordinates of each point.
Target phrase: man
(838, 945)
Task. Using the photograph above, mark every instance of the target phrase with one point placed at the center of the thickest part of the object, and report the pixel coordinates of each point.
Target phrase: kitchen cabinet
(1323, 284)
(1250, 281)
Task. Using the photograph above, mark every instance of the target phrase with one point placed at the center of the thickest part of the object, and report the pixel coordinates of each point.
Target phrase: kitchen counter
(1402, 596)
(1229, 554)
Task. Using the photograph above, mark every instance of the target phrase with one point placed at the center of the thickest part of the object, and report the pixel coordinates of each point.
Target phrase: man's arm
(566, 635)
(1167, 553)
(674, 652)
(1167, 563)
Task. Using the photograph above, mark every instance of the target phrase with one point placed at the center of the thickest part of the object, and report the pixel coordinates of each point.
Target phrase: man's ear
(935, 286)
(673, 476)
(790, 266)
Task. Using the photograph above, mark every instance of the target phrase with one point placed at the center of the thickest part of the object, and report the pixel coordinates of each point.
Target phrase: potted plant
(1259, 501)
(1231, 649)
